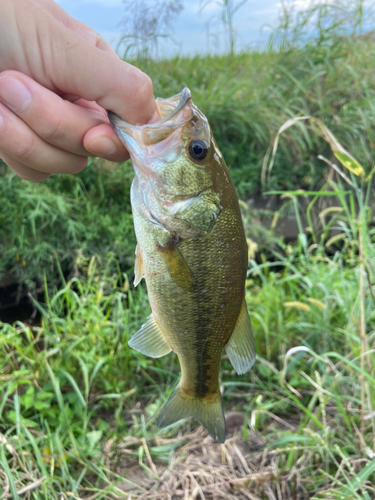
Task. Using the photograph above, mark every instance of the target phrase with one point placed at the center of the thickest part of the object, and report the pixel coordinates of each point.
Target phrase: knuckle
(50, 128)
(24, 172)
(11, 72)
(16, 141)
(23, 150)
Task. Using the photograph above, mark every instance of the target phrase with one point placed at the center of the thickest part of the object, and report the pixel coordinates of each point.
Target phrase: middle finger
(19, 142)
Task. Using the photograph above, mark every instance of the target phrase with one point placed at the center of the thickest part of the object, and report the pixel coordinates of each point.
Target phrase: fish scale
(192, 252)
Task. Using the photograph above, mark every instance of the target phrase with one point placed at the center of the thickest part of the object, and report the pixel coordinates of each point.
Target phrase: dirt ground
(201, 469)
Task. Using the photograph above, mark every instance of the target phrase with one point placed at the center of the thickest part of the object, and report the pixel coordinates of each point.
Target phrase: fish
(192, 251)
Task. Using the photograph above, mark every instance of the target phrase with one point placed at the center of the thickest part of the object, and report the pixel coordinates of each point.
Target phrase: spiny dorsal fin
(240, 347)
(138, 266)
(149, 340)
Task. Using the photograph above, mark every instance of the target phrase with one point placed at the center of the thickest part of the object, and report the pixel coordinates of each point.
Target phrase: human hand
(57, 79)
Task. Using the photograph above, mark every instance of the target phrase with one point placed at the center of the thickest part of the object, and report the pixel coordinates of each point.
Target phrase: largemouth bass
(192, 252)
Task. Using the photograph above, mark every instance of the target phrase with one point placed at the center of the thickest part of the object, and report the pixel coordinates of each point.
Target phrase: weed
(69, 387)
(78, 407)
(228, 9)
(145, 25)
(56, 223)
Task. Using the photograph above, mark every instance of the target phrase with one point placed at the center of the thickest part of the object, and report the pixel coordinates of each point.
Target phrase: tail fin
(208, 413)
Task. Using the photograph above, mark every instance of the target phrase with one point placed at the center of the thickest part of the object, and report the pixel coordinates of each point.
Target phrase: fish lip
(117, 122)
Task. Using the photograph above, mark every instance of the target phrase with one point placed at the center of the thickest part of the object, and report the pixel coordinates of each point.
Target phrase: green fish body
(192, 252)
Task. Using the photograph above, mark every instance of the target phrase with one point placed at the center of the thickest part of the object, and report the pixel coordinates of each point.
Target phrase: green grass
(62, 221)
(246, 101)
(72, 393)
(69, 387)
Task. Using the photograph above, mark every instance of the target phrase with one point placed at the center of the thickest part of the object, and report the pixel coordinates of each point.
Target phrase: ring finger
(24, 172)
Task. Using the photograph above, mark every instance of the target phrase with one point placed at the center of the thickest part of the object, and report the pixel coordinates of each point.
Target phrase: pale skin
(57, 79)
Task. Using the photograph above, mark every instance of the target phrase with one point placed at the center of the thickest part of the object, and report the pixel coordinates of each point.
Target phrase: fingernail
(101, 146)
(14, 94)
(1, 120)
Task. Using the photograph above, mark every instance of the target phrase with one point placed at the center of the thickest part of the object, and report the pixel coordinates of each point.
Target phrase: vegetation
(73, 394)
(61, 221)
(330, 78)
(78, 407)
(145, 25)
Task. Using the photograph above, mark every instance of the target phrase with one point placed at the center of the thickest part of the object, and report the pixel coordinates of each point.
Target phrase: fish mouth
(175, 112)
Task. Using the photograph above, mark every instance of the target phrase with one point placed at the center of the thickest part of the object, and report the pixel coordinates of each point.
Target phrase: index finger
(96, 75)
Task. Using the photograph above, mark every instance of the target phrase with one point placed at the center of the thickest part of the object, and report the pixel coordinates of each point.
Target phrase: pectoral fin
(240, 347)
(149, 340)
(177, 266)
(138, 266)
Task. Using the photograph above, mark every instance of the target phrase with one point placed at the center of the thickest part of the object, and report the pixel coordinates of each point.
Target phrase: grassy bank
(51, 228)
(78, 408)
(246, 100)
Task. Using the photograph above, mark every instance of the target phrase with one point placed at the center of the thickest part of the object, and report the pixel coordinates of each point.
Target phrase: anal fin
(149, 340)
(240, 347)
(138, 266)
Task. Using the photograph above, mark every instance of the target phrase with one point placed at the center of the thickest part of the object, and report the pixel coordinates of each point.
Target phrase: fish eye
(198, 149)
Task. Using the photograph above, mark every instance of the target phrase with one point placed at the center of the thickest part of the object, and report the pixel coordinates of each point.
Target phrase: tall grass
(246, 102)
(315, 321)
(69, 387)
(78, 408)
(330, 78)
(65, 385)
(62, 221)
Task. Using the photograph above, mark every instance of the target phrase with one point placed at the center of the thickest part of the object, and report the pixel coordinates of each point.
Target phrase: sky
(253, 23)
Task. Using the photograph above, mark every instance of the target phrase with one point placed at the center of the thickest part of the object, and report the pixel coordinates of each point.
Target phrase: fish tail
(208, 412)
